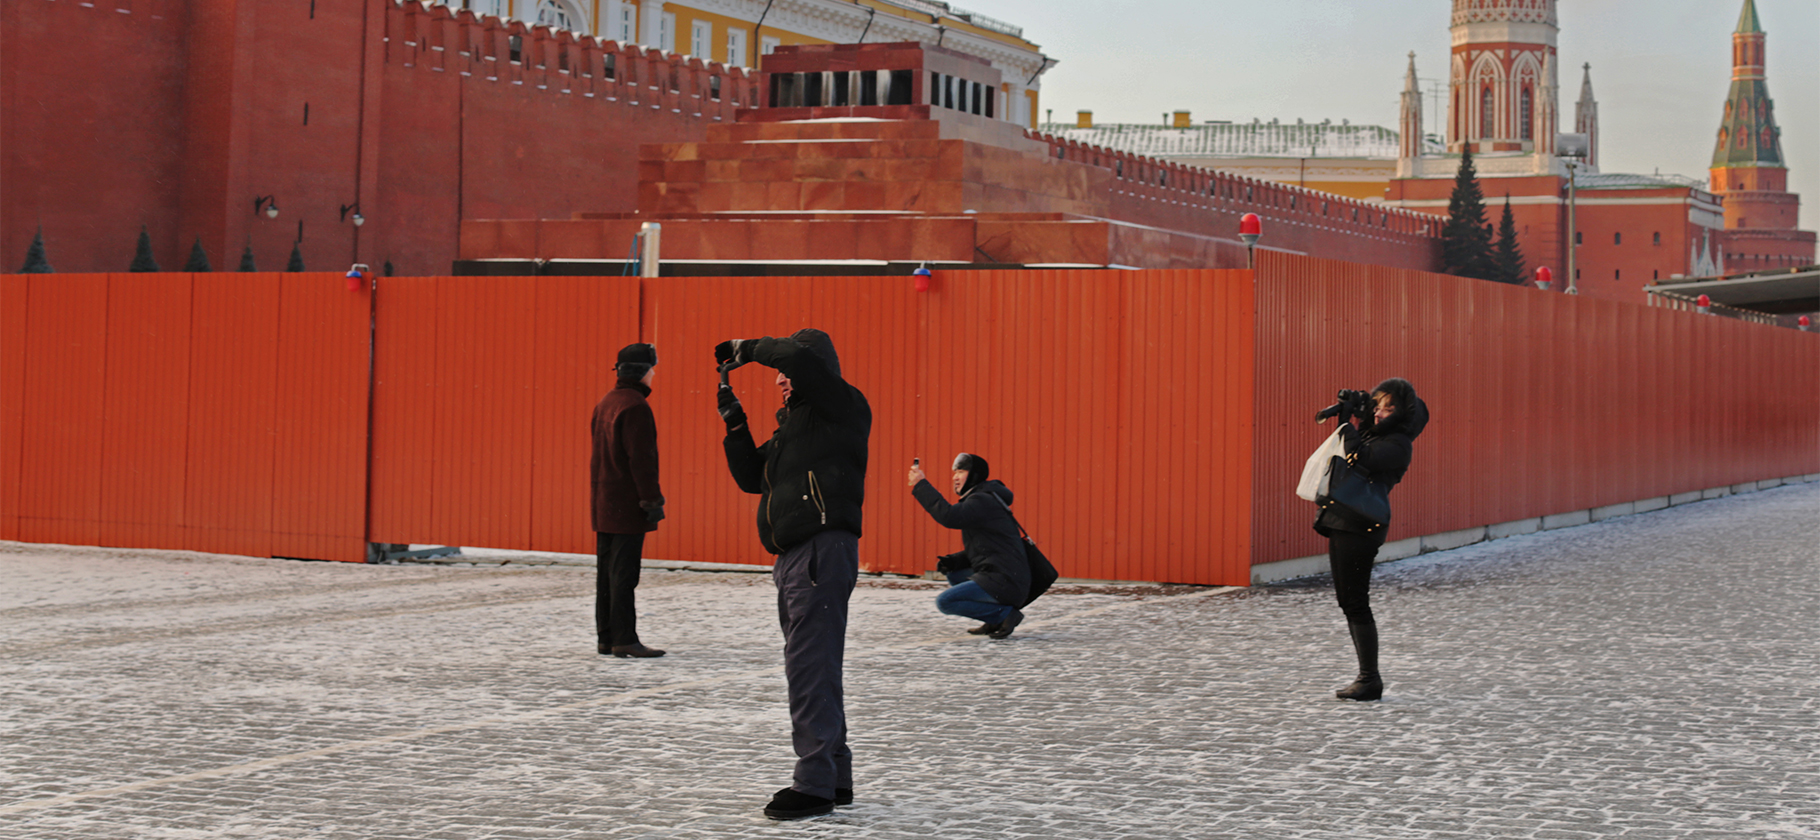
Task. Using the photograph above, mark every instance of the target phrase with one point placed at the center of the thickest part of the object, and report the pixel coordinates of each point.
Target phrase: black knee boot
(1368, 686)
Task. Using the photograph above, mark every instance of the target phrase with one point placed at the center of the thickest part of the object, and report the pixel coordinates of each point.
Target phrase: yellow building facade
(738, 32)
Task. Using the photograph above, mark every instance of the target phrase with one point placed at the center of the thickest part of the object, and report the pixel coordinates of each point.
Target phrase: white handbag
(1316, 468)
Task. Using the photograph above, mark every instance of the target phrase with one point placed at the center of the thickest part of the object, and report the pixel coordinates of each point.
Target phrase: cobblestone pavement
(1651, 676)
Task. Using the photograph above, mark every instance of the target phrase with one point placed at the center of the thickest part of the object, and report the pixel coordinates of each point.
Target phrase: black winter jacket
(811, 474)
(989, 538)
(1383, 450)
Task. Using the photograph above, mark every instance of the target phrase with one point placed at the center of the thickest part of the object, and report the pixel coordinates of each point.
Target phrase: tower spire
(1586, 117)
(1409, 123)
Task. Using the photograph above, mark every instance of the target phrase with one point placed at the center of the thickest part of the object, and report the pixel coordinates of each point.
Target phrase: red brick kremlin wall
(176, 114)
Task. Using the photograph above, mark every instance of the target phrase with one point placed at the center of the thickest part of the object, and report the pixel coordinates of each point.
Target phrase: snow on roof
(1626, 181)
(1254, 139)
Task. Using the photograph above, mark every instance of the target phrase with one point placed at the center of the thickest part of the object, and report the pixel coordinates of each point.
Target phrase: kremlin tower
(1748, 169)
(1502, 81)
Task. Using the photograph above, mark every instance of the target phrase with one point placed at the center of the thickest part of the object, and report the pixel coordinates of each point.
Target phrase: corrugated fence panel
(63, 404)
(14, 294)
(232, 441)
(406, 410)
(1542, 403)
(320, 473)
(581, 323)
(146, 429)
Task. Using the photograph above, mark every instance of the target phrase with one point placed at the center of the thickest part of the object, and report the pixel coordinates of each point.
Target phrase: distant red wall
(417, 114)
(91, 143)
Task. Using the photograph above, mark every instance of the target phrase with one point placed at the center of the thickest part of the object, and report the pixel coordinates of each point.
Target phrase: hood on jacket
(818, 342)
(994, 486)
(977, 469)
(1408, 415)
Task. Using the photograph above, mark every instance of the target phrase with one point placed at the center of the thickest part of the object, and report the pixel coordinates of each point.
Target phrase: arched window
(1725, 136)
(556, 15)
(1526, 124)
(1487, 113)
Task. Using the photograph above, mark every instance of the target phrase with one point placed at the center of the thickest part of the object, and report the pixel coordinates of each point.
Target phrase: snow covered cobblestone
(1655, 675)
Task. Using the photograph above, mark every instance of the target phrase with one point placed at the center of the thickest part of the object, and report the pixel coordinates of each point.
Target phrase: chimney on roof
(1181, 120)
(1083, 119)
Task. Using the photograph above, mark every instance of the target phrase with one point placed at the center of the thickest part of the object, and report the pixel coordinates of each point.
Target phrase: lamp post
(1251, 228)
(1572, 149)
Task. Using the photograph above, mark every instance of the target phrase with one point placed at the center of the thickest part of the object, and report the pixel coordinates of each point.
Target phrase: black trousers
(814, 581)
(617, 558)
(1351, 557)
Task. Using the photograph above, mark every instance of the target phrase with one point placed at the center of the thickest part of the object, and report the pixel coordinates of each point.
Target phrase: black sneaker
(1004, 628)
(843, 796)
(793, 804)
(635, 651)
(983, 629)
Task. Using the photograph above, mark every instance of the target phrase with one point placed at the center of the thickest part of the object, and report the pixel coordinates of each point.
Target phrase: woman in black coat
(1381, 444)
(990, 577)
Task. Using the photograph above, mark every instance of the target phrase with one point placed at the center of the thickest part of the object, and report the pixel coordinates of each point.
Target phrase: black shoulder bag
(1348, 490)
(1042, 572)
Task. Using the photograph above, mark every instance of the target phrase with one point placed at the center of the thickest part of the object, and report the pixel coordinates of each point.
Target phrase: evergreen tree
(1466, 238)
(246, 258)
(1505, 255)
(296, 263)
(199, 259)
(142, 259)
(35, 262)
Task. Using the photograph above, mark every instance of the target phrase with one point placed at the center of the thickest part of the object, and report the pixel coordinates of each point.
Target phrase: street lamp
(356, 218)
(267, 204)
(1251, 228)
(1544, 276)
(1573, 150)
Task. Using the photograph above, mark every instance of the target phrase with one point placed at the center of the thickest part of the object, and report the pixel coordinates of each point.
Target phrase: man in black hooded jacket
(811, 481)
(1381, 445)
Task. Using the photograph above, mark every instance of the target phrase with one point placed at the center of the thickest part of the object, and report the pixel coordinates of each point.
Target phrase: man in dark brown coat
(627, 500)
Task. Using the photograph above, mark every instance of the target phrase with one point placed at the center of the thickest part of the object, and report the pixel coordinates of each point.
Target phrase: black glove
(949, 563)
(730, 410)
(732, 354)
(654, 511)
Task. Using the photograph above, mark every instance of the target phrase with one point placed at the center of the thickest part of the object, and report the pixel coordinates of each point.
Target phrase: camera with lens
(1348, 403)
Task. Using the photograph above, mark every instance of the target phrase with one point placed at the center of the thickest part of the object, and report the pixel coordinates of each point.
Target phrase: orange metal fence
(1067, 381)
(1542, 403)
(1152, 423)
(214, 412)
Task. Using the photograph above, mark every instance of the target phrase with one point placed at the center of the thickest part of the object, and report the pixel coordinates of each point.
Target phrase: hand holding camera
(731, 354)
(1348, 403)
(731, 412)
(916, 471)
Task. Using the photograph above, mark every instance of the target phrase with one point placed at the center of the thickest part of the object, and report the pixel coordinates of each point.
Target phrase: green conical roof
(1747, 19)
(1748, 135)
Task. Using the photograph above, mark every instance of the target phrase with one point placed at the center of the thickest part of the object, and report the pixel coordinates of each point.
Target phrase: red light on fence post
(1804, 322)
(923, 274)
(1251, 228)
(1703, 305)
(1544, 276)
(357, 276)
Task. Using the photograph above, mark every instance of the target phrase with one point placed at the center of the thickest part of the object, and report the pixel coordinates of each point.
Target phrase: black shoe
(1364, 689)
(983, 629)
(843, 796)
(635, 651)
(793, 804)
(1004, 628)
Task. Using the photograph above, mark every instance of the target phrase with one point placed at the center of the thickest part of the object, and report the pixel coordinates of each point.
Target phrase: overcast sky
(1660, 68)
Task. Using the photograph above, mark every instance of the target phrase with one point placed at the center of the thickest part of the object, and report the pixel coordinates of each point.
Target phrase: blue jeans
(965, 598)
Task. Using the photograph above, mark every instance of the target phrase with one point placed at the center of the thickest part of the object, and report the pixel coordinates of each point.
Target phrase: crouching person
(989, 579)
